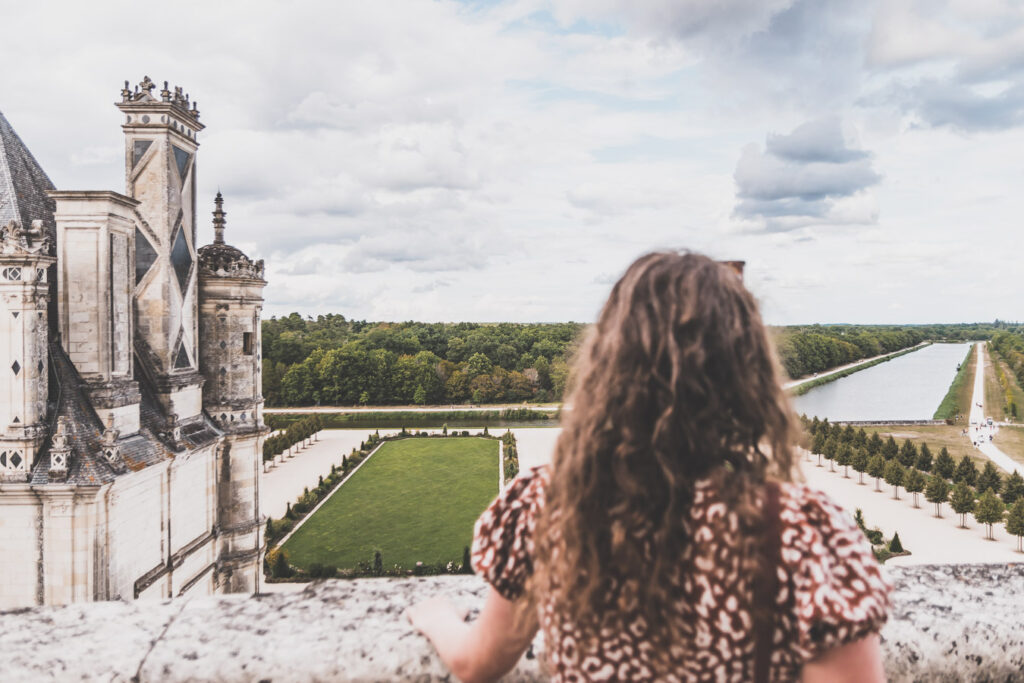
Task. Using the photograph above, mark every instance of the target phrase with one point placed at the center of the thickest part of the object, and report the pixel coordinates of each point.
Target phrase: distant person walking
(667, 539)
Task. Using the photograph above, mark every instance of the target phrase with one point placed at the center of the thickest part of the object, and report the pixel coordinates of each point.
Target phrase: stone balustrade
(949, 623)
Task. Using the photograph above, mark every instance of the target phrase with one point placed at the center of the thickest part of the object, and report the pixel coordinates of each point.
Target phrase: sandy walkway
(980, 431)
(931, 540)
(862, 361)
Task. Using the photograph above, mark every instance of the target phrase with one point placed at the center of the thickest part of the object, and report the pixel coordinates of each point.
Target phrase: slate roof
(150, 446)
(23, 184)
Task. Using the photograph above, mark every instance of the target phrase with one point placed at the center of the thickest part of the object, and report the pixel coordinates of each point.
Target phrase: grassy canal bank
(958, 399)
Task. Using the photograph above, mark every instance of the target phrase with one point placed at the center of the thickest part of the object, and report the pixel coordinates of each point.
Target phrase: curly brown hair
(677, 381)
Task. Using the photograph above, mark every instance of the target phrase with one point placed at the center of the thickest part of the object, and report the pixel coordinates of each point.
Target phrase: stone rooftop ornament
(223, 260)
(111, 451)
(16, 240)
(60, 451)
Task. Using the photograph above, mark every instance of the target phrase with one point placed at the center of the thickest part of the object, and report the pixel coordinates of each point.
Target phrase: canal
(909, 387)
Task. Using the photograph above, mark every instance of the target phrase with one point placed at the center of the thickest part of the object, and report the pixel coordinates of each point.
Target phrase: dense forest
(330, 360)
(1010, 345)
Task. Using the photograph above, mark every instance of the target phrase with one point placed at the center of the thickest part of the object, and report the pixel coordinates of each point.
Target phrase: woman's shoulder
(803, 503)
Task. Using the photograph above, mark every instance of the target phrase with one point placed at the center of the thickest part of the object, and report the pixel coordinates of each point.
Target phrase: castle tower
(24, 295)
(230, 301)
(160, 173)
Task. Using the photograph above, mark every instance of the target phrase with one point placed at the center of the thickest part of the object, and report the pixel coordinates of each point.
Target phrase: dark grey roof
(150, 446)
(23, 184)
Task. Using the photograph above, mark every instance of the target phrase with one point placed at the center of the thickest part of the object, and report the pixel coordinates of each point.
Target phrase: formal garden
(986, 494)
(408, 509)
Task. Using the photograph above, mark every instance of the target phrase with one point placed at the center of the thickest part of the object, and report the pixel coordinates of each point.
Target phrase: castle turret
(24, 293)
(230, 301)
(160, 164)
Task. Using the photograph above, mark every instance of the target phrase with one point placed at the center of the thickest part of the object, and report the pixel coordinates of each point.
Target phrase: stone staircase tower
(230, 302)
(160, 164)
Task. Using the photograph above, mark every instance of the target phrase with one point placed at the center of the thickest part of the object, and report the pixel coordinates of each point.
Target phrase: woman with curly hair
(667, 539)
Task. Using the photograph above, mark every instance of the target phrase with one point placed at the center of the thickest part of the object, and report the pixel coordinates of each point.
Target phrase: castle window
(247, 343)
(12, 273)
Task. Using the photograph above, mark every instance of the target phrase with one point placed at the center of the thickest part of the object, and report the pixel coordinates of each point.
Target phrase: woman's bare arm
(856, 662)
(482, 650)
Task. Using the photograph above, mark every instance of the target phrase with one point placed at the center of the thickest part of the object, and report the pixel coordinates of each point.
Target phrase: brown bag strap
(766, 585)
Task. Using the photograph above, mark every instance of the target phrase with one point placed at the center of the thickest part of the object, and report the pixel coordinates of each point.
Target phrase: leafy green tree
(831, 447)
(419, 397)
(1013, 488)
(990, 479)
(862, 438)
(874, 444)
(848, 435)
(990, 511)
(894, 477)
(364, 398)
(1015, 522)
(876, 469)
(818, 444)
(890, 450)
(844, 457)
(914, 483)
(860, 462)
(908, 453)
(944, 464)
(924, 459)
(965, 472)
(962, 501)
(478, 364)
(937, 492)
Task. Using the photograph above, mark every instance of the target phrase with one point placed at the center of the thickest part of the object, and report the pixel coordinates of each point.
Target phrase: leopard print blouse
(831, 590)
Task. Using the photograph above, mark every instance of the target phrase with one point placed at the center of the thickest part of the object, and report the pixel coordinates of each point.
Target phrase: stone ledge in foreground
(949, 622)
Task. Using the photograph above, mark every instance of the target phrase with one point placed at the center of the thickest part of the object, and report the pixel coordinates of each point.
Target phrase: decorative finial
(218, 219)
(165, 94)
(147, 85)
(126, 92)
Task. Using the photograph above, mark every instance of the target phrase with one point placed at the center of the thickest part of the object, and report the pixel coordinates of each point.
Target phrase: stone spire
(218, 220)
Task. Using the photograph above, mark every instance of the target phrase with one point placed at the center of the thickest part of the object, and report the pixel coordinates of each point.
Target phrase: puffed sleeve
(503, 537)
(840, 592)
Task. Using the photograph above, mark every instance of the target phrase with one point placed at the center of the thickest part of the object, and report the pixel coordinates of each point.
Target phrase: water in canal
(909, 387)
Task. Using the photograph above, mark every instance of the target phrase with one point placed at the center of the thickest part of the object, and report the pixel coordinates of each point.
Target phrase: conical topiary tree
(894, 545)
(990, 510)
(889, 449)
(937, 492)
(843, 458)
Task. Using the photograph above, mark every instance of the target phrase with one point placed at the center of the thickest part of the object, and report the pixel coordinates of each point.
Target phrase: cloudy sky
(443, 160)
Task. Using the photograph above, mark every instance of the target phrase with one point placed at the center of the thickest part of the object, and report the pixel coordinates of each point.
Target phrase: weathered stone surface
(958, 622)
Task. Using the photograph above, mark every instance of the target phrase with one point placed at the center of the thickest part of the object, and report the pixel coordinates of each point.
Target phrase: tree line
(331, 360)
(1010, 346)
(986, 494)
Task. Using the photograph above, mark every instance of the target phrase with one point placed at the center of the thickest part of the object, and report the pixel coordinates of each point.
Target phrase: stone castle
(130, 412)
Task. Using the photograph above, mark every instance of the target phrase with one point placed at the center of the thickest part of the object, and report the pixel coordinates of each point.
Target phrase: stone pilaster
(25, 256)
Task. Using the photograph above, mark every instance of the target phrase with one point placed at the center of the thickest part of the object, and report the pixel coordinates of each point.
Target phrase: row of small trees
(298, 432)
(905, 466)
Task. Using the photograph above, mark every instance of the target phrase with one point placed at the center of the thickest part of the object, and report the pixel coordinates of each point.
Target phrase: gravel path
(979, 430)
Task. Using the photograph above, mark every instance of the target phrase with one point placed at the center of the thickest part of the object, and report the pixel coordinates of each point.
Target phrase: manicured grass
(936, 436)
(415, 500)
(995, 404)
(958, 398)
(1010, 440)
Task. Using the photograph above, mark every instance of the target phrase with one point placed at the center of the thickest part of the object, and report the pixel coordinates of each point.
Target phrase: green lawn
(415, 500)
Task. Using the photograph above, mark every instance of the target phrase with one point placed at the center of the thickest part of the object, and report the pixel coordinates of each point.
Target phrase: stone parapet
(948, 623)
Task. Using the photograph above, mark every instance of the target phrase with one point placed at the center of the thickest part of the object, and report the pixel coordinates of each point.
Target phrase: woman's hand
(427, 616)
(481, 650)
